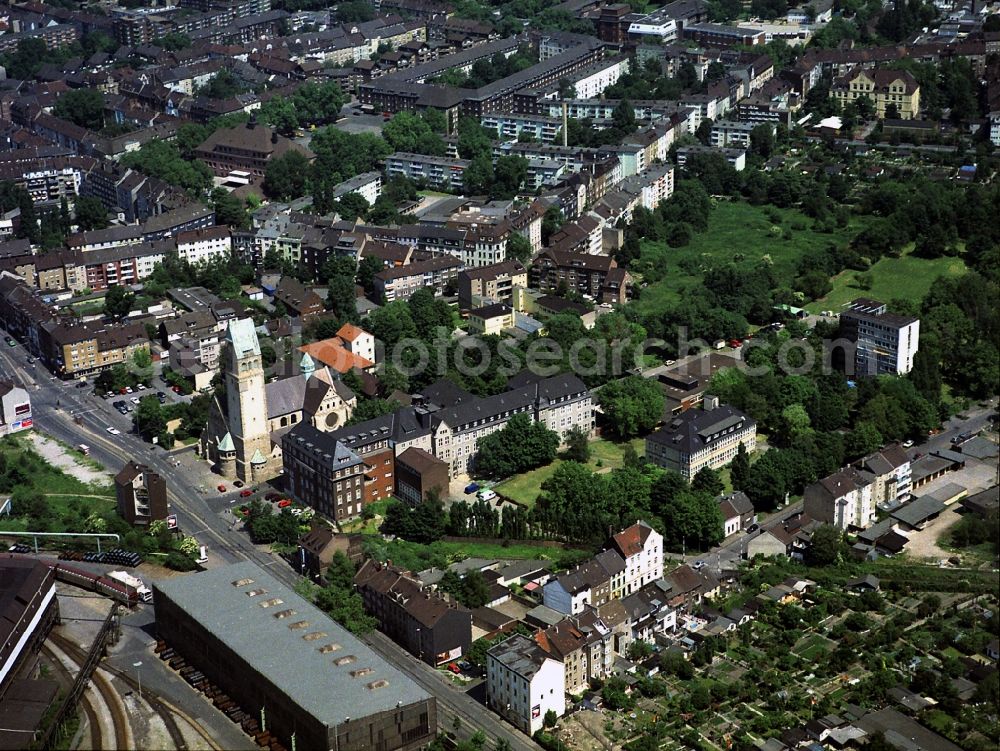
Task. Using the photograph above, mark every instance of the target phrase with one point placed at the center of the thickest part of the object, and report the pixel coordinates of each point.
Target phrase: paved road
(198, 515)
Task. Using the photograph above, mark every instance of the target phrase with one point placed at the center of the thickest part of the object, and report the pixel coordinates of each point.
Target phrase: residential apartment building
(850, 497)
(428, 624)
(598, 277)
(495, 283)
(80, 349)
(491, 320)
(884, 87)
(585, 647)
(733, 133)
(843, 499)
(205, 245)
(641, 547)
(438, 171)
(141, 494)
(323, 472)
(885, 343)
(891, 473)
(589, 584)
(709, 437)
(368, 185)
(524, 682)
(400, 282)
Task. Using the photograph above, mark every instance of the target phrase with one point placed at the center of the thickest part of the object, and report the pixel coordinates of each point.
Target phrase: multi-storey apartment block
(886, 343)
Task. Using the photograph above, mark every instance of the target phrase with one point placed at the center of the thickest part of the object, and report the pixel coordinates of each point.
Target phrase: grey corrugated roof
(295, 665)
(918, 510)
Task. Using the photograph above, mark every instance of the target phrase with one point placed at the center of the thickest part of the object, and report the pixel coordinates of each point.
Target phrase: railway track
(77, 654)
(63, 648)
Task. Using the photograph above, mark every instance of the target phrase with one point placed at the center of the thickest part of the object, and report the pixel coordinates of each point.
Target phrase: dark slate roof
(690, 431)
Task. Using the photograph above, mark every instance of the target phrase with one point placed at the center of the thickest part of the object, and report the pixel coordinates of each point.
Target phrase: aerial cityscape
(500, 375)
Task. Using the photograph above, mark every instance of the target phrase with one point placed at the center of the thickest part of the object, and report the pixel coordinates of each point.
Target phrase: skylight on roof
(345, 660)
(327, 648)
(298, 624)
(361, 672)
(314, 636)
(255, 592)
(381, 683)
(284, 613)
(273, 601)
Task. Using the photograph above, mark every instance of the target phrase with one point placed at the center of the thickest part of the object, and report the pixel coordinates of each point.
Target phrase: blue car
(471, 488)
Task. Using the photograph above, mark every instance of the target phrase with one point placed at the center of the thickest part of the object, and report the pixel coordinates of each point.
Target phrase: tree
(521, 445)
(762, 141)
(550, 718)
(518, 248)
(477, 178)
(149, 419)
(229, 209)
(412, 133)
(739, 470)
(351, 206)
(83, 107)
(118, 302)
(708, 481)
(631, 405)
(691, 520)
(90, 213)
(826, 546)
(863, 440)
(577, 445)
(623, 117)
(472, 589)
(286, 177)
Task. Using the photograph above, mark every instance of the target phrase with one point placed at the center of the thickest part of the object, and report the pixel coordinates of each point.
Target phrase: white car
(114, 431)
(135, 400)
(907, 444)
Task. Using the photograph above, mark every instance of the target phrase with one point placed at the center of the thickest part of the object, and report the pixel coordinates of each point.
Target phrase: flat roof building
(270, 650)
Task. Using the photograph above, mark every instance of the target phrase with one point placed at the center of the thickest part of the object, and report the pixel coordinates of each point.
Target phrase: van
(84, 449)
(486, 494)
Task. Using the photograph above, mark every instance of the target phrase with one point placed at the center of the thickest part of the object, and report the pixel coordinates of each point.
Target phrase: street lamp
(138, 676)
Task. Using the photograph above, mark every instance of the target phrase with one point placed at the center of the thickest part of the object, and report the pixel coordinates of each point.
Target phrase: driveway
(924, 544)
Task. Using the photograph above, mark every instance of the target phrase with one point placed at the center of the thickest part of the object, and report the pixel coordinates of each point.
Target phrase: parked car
(907, 444)
(81, 384)
(176, 389)
(753, 528)
(135, 400)
(221, 488)
(487, 494)
(471, 488)
(10, 341)
(128, 389)
(455, 669)
(237, 483)
(284, 503)
(246, 493)
(31, 360)
(698, 565)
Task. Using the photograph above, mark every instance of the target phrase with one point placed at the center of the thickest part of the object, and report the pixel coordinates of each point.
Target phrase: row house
(73, 350)
(649, 613)
(583, 235)
(652, 187)
(632, 559)
(428, 624)
(584, 645)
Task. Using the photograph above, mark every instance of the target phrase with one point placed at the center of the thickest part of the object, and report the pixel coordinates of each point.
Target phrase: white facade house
(592, 83)
(844, 499)
(204, 245)
(368, 185)
(15, 409)
(358, 341)
(523, 683)
(641, 547)
(655, 28)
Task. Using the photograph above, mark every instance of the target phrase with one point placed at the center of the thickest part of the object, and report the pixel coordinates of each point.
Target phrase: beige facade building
(884, 87)
(702, 438)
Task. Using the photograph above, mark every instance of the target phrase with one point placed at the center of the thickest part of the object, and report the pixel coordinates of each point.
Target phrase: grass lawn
(440, 554)
(525, 488)
(736, 230)
(906, 277)
(68, 500)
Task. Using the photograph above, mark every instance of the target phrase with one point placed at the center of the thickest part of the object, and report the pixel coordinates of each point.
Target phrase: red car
(246, 493)
(221, 488)
(284, 503)
(455, 669)
(122, 391)
(176, 389)
(735, 343)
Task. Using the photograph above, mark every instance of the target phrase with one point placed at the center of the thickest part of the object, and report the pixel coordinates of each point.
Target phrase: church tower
(246, 400)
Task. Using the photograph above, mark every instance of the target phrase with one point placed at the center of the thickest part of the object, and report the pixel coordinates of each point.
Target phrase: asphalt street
(76, 415)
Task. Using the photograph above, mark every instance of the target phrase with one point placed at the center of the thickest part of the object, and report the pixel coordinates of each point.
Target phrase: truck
(144, 592)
